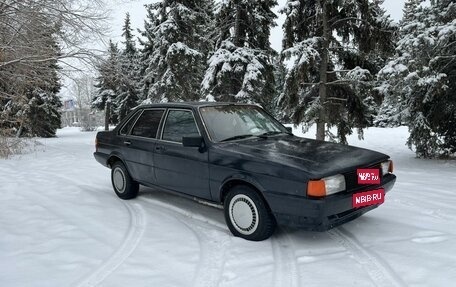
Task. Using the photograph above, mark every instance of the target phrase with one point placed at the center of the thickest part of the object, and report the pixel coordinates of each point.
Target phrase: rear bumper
(320, 214)
(101, 158)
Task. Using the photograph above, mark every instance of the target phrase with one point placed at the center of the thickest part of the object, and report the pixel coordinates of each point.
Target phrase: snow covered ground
(62, 225)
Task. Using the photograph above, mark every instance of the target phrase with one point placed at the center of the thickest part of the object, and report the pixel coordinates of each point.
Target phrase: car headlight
(326, 186)
(387, 167)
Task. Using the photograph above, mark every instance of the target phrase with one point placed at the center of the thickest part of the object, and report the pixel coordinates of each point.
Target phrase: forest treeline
(344, 66)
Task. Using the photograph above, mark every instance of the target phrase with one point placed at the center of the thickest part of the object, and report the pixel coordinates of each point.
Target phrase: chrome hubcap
(243, 214)
(118, 178)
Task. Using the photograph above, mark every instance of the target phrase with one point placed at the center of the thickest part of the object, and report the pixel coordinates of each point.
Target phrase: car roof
(188, 104)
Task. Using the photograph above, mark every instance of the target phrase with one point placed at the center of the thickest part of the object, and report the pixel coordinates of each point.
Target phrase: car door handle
(159, 148)
(127, 143)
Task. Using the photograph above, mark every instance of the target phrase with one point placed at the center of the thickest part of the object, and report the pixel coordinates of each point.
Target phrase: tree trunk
(107, 114)
(237, 42)
(237, 25)
(19, 131)
(322, 92)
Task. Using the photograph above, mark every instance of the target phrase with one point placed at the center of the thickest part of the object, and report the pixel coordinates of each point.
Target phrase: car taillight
(96, 144)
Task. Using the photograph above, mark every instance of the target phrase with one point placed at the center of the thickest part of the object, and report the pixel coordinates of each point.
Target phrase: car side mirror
(289, 129)
(193, 141)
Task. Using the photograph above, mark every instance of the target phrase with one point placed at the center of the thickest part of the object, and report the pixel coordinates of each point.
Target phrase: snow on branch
(305, 52)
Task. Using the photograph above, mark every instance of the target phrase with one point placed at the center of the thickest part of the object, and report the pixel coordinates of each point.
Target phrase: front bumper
(320, 214)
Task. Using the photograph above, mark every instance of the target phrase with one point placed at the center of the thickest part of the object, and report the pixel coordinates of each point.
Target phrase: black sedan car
(240, 156)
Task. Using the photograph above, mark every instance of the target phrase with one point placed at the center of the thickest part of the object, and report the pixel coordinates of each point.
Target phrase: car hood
(317, 158)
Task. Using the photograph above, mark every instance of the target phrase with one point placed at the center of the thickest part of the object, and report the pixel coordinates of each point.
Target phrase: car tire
(124, 186)
(247, 214)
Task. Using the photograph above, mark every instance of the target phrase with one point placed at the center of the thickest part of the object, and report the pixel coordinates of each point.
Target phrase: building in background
(74, 116)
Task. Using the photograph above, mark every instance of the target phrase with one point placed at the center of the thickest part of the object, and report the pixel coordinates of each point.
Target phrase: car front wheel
(124, 186)
(247, 214)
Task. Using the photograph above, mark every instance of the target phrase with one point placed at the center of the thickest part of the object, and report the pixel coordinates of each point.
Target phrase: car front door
(139, 145)
(179, 168)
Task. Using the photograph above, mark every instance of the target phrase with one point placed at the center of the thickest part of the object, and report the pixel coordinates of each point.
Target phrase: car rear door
(139, 144)
(179, 168)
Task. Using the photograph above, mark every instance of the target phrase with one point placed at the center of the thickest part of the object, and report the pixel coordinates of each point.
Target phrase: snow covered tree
(419, 84)
(36, 112)
(129, 76)
(36, 38)
(127, 33)
(108, 85)
(146, 42)
(178, 46)
(241, 68)
(335, 48)
(41, 113)
(28, 90)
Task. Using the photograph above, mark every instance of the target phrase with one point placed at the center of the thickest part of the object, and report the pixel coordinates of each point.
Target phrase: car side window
(179, 123)
(127, 126)
(147, 124)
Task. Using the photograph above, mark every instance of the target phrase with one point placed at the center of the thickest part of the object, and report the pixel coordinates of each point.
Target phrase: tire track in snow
(129, 243)
(212, 255)
(70, 216)
(379, 271)
(286, 272)
(212, 245)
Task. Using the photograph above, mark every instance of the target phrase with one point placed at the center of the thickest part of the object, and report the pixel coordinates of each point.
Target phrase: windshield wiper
(238, 137)
(270, 133)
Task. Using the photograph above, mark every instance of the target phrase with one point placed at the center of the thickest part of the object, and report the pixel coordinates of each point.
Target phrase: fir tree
(177, 47)
(147, 47)
(419, 84)
(336, 49)
(130, 47)
(127, 94)
(108, 85)
(241, 68)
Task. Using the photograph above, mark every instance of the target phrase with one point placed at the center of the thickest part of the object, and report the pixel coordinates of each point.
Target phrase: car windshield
(232, 122)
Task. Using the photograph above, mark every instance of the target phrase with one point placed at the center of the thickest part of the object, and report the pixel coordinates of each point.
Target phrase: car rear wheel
(247, 214)
(124, 186)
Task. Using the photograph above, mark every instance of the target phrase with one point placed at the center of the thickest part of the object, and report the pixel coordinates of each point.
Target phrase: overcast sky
(138, 14)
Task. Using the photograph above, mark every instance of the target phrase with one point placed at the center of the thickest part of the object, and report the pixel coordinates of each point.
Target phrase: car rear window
(127, 126)
(147, 124)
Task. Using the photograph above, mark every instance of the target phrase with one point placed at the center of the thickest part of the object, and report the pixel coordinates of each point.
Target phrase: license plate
(368, 175)
(367, 198)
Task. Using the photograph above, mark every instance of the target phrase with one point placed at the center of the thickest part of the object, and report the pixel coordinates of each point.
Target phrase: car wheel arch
(113, 159)
(228, 184)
